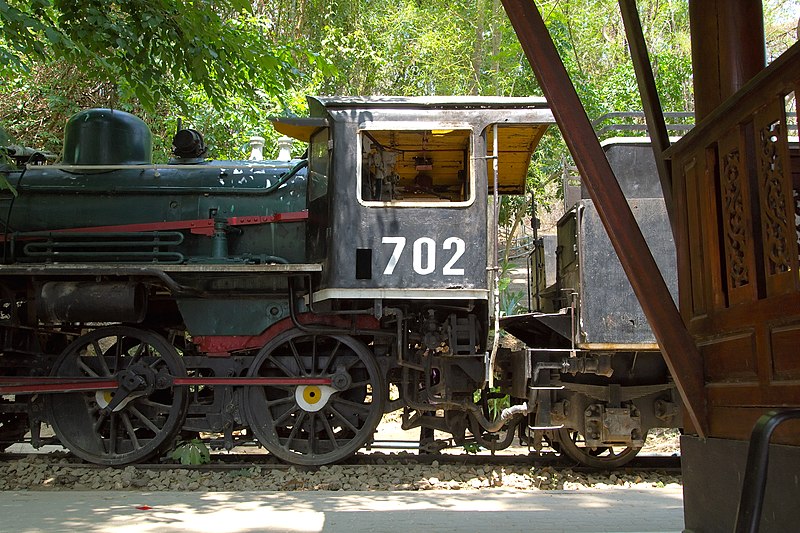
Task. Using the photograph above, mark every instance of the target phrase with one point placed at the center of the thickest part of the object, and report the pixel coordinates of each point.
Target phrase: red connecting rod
(35, 385)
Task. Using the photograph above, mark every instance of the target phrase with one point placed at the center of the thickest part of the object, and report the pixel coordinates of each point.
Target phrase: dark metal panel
(423, 240)
(53, 198)
(634, 166)
(387, 247)
(231, 316)
(609, 311)
(713, 470)
(540, 329)
(679, 349)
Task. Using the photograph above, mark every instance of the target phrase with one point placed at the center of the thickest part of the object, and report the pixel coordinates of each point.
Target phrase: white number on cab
(423, 255)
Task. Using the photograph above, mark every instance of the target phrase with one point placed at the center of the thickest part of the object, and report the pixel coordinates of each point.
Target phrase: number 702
(423, 255)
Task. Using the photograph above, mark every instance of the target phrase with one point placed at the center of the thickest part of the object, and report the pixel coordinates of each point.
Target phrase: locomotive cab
(409, 179)
(404, 233)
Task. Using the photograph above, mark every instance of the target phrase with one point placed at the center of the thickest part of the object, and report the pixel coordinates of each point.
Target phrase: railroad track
(232, 462)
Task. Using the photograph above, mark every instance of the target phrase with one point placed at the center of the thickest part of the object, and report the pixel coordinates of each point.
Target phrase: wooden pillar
(728, 49)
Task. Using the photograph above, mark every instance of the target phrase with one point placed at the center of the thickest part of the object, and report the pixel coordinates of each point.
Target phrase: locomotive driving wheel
(315, 424)
(573, 444)
(101, 430)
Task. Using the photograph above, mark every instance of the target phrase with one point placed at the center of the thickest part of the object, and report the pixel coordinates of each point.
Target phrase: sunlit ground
(500, 510)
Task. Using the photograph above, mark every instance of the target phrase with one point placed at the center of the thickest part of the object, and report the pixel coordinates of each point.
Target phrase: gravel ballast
(38, 472)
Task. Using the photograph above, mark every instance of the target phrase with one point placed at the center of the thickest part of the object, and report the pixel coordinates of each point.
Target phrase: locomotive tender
(603, 379)
(267, 300)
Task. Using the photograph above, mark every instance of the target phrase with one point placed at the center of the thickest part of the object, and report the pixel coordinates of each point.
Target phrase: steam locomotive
(288, 302)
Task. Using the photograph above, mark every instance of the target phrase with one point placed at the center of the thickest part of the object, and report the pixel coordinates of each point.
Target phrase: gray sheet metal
(354, 226)
(634, 166)
(609, 312)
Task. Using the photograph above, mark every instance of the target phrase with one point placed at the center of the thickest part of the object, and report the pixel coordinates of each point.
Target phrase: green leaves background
(223, 66)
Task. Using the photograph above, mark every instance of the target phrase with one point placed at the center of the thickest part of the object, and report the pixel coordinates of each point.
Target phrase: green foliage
(153, 50)
(511, 302)
(495, 400)
(224, 66)
(472, 447)
(193, 452)
(5, 138)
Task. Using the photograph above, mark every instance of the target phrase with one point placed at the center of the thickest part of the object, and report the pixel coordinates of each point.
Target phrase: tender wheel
(315, 424)
(139, 426)
(572, 443)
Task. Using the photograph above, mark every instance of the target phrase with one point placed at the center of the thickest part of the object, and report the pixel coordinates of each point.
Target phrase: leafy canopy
(153, 49)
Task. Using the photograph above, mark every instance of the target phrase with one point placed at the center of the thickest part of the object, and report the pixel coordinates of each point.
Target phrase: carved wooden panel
(776, 202)
(715, 277)
(739, 227)
(796, 199)
(794, 159)
(679, 171)
(736, 220)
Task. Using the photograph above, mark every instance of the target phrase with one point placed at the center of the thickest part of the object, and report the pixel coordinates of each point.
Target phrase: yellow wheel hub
(312, 398)
(312, 394)
(104, 397)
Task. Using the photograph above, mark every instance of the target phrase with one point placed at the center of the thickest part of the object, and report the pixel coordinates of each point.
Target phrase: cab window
(415, 167)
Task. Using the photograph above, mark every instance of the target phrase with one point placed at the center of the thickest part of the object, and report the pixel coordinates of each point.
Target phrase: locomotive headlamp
(188, 144)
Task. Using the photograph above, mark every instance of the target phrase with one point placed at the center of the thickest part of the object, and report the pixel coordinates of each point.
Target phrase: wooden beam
(728, 49)
(705, 57)
(656, 126)
(680, 351)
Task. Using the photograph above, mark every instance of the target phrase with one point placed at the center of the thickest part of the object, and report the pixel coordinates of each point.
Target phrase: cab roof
(521, 126)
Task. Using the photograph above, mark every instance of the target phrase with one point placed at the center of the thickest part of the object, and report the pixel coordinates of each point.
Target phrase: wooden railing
(734, 172)
(737, 194)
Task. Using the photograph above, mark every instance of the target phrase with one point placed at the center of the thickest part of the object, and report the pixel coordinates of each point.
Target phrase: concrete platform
(607, 510)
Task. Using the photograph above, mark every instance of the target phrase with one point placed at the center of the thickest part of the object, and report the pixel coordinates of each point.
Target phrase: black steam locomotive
(290, 302)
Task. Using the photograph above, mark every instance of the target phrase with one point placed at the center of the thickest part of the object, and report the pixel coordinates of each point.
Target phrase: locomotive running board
(144, 269)
(413, 294)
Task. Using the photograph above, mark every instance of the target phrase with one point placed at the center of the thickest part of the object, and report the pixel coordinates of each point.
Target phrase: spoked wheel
(572, 443)
(139, 426)
(315, 424)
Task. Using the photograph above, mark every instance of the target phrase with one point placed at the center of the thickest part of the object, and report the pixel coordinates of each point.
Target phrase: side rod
(35, 385)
